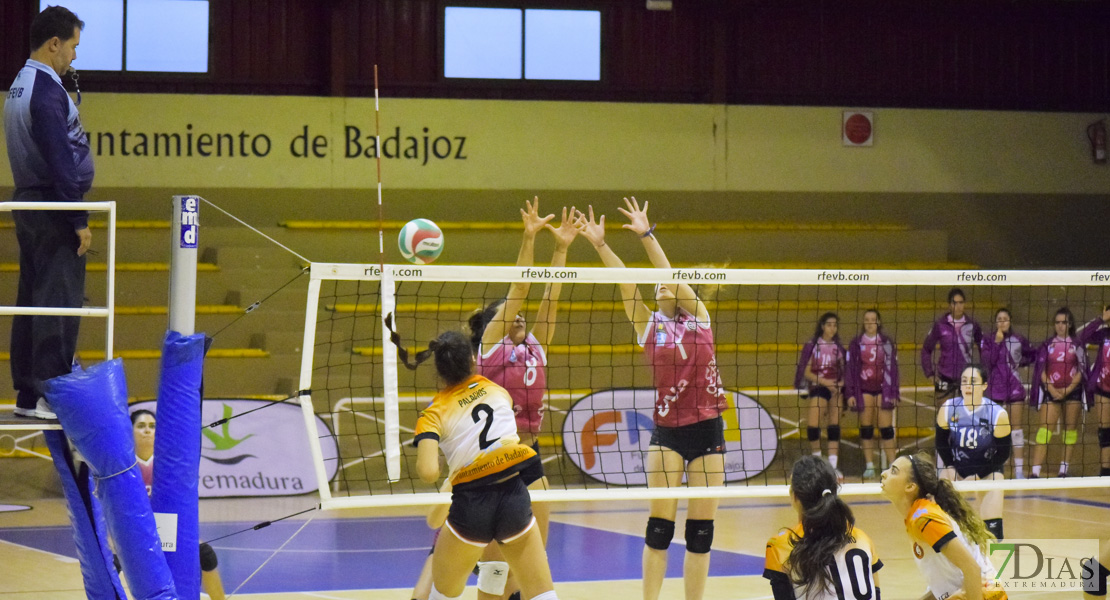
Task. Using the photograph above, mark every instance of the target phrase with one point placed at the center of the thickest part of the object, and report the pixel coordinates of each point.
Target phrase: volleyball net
(600, 392)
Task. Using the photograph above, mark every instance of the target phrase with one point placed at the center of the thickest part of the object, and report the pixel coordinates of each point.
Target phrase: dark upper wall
(988, 54)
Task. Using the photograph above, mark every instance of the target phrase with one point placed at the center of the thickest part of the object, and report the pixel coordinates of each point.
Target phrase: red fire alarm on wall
(858, 128)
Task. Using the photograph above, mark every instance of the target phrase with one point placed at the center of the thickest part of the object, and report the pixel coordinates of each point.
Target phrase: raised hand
(533, 222)
(567, 229)
(637, 217)
(589, 229)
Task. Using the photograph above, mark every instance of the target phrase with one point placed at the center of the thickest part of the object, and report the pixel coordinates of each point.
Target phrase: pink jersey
(1063, 364)
(521, 370)
(826, 361)
(872, 361)
(146, 469)
(687, 383)
(1104, 373)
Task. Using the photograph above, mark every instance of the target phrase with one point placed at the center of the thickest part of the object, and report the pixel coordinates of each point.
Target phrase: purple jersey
(1003, 361)
(520, 369)
(957, 339)
(684, 363)
(1097, 333)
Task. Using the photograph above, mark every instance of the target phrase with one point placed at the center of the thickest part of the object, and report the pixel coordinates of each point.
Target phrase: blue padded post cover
(92, 408)
(177, 452)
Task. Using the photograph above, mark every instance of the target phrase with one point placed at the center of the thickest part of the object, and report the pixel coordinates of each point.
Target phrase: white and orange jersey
(852, 569)
(931, 528)
(476, 428)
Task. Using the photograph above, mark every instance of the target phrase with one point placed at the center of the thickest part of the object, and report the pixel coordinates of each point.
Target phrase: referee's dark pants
(50, 275)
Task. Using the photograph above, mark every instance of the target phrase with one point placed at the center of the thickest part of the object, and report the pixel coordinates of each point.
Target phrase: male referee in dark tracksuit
(50, 159)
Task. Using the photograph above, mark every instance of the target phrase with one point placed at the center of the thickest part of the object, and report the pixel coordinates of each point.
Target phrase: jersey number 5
(476, 414)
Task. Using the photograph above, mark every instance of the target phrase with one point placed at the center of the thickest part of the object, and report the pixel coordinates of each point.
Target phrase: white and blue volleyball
(420, 241)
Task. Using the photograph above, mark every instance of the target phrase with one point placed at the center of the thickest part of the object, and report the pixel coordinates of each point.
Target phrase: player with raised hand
(515, 358)
(1097, 332)
(949, 539)
(688, 439)
(472, 419)
(1004, 353)
(820, 377)
(973, 437)
(825, 555)
(957, 335)
(872, 386)
(1058, 378)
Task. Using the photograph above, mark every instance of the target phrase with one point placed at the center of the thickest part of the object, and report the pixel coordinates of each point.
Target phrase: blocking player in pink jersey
(688, 438)
(872, 386)
(820, 377)
(1058, 378)
(1097, 333)
(515, 358)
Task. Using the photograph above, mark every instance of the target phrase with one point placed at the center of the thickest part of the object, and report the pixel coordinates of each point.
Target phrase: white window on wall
(514, 43)
(141, 35)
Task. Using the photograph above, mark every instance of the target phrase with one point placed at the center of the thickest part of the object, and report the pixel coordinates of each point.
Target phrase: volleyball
(420, 241)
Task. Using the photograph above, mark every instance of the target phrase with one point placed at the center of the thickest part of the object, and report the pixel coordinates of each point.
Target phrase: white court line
(54, 555)
(368, 550)
(319, 595)
(1053, 516)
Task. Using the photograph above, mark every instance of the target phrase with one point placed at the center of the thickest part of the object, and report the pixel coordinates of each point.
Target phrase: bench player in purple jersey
(688, 438)
(820, 378)
(1004, 354)
(958, 336)
(872, 386)
(1097, 333)
(1058, 377)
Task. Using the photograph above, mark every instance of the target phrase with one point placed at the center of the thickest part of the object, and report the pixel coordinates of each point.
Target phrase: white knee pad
(492, 575)
(1018, 437)
(437, 595)
(550, 595)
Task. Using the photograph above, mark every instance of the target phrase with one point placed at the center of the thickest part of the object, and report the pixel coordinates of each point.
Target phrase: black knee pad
(834, 433)
(659, 534)
(814, 433)
(995, 527)
(887, 433)
(208, 560)
(699, 535)
(867, 432)
(1104, 437)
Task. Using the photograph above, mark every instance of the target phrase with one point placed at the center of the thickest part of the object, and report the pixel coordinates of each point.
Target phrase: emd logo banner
(607, 434)
(264, 454)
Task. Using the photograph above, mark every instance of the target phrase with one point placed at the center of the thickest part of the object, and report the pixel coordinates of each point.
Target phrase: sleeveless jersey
(873, 363)
(930, 528)
(852, 568)
(827, 361)
(1063, 363)
(971, 433)
(684, 365)
(146, 469)
(521, 370)
(475, 426)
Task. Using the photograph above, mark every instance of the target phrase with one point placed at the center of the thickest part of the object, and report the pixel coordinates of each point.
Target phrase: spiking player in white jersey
(973, 437)
(825, 556)
(688, 438)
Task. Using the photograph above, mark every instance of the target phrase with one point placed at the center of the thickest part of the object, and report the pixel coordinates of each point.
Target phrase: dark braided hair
(480, 320)
(827, 523)
(924, 473)
(452, 350)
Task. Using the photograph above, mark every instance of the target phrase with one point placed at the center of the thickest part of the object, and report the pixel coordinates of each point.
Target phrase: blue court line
(1079, 501)
(719, 508)
(346, 554)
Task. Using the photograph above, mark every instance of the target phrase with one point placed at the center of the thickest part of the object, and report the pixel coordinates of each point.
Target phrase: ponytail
(946, 496)
(827, 523)
(453, 353)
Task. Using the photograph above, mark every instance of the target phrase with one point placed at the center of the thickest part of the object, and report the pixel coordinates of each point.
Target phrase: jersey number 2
(476, 414)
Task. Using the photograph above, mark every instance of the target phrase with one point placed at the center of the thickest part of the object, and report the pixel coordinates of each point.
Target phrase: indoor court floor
(594, 547)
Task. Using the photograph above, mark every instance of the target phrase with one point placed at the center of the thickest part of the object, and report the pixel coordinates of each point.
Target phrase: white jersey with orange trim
(853, 567)
(476, 428)
(931, 528)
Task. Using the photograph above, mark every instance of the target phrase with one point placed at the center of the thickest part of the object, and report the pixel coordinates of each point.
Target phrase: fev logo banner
(607, 434)
(263, 454)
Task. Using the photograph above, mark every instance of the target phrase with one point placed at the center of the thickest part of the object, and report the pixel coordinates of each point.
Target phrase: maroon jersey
(521, 370)
(826, 360)
(687, 383)
(146, 469)
(872, 363)
(1063, 364)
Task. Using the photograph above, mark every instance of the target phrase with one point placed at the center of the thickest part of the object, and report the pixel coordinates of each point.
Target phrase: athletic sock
(1036, 471)
(817, 453)
(1063, 469)
(833, 459)
(870, 465)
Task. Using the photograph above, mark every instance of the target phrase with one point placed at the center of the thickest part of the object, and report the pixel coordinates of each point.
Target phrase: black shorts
(980, 470)
(944, 385)
(1075, 395)
(692, 441)
(534, 470)
(820, 391)
(499, 511)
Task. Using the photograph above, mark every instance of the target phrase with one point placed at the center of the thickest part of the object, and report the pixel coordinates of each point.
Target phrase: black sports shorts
(692, 441)
(499, 511)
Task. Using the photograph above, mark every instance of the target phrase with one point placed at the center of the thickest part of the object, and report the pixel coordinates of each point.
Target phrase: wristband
(650, 231)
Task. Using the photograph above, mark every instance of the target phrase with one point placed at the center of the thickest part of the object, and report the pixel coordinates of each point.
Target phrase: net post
(185, 232)
(110, 301)
(308, 346)
(389, 381)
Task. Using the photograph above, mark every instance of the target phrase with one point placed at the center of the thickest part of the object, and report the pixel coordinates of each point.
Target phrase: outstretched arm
(641, 226)
(594, 231)
(518, 291)
(544, 329)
